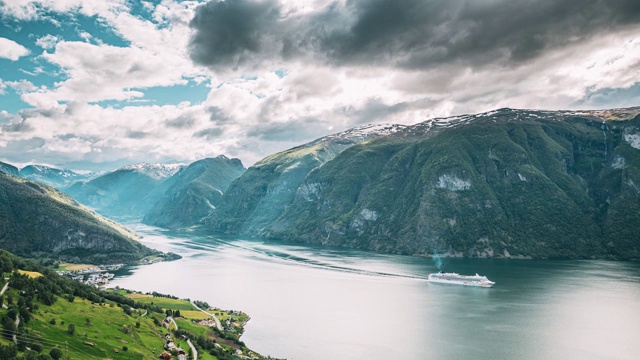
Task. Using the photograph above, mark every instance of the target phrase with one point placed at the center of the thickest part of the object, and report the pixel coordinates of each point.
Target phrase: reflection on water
(322, 303)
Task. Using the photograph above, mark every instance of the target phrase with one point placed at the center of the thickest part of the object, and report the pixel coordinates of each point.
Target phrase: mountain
(194, 192)
(9, 169)
(507, 183)
(51, 176)
(261, 194)
(37, 220)
(127, 192)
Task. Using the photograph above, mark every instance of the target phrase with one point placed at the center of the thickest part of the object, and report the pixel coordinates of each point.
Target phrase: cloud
(288, 71)
(104, 72)
(11, 50)
(410, 34)
(47, 42)
(35, 9)
(209, 133)
(21, 86)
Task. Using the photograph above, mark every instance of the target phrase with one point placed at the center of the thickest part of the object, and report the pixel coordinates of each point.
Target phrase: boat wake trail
(264, 252)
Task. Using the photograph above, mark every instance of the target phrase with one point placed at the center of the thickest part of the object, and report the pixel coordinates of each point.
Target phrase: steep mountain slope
(37, 220)
(127, 192)
(261, 194)
(51, 176)
(195, 191)
(505, 183)
(9, 169)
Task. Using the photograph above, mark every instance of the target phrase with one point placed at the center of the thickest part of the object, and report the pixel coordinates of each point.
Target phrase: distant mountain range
(37, 220)
(46, 175)
(126, 192)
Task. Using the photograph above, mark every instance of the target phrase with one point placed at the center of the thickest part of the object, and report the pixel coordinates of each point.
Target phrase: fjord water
(323, 303)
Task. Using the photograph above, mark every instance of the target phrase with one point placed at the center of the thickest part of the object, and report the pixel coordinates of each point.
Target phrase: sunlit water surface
(322, 303)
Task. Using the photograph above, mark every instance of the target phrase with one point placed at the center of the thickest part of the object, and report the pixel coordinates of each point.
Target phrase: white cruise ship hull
(486, 284)
(457, 279)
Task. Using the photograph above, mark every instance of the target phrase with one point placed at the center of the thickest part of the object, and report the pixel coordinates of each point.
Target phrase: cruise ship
(457, 279)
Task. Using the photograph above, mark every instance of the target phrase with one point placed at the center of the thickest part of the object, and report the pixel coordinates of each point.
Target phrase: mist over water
(323, 303)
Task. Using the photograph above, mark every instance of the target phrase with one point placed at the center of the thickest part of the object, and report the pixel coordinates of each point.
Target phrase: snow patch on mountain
(157, 171)
(363, 133)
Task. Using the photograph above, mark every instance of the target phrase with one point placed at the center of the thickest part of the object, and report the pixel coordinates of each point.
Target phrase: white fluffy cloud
(47, 42)
(11, 50)
(157, 55)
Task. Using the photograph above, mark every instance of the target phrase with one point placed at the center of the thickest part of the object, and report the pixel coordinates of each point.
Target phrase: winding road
(173, 321)
(6, 286)
(218, 325)
(193, 350)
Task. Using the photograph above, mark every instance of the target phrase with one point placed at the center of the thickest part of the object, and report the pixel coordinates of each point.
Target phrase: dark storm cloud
(401, 33)
(228, 30)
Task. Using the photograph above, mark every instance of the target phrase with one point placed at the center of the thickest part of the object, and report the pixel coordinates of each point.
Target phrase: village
(97, 276)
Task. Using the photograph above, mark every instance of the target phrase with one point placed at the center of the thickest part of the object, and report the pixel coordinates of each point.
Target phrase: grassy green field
(108, 328)
(163, 302)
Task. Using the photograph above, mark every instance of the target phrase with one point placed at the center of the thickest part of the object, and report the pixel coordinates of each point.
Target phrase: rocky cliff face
(505, 183)
(37, 220)
(194, 192)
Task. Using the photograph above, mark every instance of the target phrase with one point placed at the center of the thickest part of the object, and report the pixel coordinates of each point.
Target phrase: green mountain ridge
(539, 184)
(38, 220)
(194, 192)
(260, 195)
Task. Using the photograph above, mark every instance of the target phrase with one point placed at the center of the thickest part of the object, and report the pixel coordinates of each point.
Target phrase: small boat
(457, 279)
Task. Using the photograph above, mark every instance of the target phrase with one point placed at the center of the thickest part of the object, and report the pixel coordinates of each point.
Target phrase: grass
(193, 314)
(74, 267)
(108, 328)
(196, 329)
(165, 303)
(31, 274)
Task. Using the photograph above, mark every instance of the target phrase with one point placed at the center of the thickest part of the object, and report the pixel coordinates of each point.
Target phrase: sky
(95, 85)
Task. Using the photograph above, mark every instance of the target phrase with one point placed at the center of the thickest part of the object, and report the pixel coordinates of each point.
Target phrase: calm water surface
(318, 303)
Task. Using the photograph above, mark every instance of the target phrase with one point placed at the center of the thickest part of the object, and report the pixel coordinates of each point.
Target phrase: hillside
(59, 316)
(37, 220)
(127, 192)
(194, 192)
(506, 183)
(261, 194)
